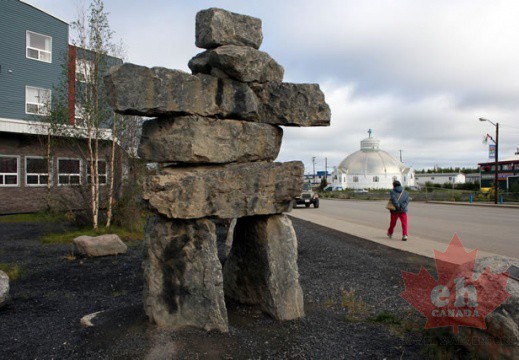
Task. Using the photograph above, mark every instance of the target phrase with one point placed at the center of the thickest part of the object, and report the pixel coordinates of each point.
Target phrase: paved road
(488, 229)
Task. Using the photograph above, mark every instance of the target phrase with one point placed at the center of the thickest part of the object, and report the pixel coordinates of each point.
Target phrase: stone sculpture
(216, 135)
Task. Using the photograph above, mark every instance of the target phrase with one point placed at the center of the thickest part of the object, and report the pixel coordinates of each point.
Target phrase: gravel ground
(56, 290)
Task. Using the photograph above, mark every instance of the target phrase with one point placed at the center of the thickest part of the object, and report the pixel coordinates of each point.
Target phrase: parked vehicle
(307, 197)
(333, 188)
(360, 191)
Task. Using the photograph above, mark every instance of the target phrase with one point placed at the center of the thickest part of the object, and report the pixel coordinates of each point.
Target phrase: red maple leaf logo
(455, 299)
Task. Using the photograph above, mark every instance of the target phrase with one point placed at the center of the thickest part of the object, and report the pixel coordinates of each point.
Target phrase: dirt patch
(55, 290)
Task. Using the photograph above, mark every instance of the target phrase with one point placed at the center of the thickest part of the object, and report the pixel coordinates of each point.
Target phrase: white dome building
(372, 168)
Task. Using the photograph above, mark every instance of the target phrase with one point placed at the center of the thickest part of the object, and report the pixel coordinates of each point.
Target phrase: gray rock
(183, 276)
(103, 245)
(228, 191)
(91, 320)
(216, 27)
(198, 140)
(262, 266)
(230, 237)
(240, 63)
(138, 90)
(292, 104)
(4, 288)
(501, 338)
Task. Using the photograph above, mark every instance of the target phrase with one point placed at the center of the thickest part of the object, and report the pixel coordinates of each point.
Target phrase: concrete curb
(505, 206)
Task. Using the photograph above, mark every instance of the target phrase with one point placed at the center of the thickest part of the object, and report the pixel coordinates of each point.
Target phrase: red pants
(403, 219)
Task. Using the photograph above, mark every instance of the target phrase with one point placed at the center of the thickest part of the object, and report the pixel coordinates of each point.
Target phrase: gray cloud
(419, 73)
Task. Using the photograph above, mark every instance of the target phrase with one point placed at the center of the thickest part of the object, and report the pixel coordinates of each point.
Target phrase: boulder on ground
(138, 90)
(216, 27)
(501, 338)
(4, 288)
(262, 266)
(228, 191)
(290, 104)
(240, 63)
(103, 245)
(183, 276)
(198, 140)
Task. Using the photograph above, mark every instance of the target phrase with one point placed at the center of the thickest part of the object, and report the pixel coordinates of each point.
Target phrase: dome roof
(370, 160)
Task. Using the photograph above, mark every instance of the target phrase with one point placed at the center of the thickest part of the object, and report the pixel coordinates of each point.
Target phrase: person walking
(400, 199)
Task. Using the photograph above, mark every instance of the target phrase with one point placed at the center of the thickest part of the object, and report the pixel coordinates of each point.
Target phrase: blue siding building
(33, 51)
(35, 58)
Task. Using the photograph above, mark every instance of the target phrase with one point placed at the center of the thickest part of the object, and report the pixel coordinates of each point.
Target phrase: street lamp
(496, 157)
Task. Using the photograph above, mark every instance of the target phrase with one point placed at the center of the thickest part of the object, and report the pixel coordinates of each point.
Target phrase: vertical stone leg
(183, 276)
(262, 266)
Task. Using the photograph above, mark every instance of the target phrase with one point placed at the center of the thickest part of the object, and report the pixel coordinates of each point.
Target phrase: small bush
(14, 271)
(33, 217)
(356, 307)
(385, 318)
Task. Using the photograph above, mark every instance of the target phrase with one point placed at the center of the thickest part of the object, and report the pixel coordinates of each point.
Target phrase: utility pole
(326, 169)
(313, 164)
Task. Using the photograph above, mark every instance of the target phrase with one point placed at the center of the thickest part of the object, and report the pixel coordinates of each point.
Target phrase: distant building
(508, 172)
(33, 50)
(319, 176)
(372, 168)
(440, 178)
(472, 178)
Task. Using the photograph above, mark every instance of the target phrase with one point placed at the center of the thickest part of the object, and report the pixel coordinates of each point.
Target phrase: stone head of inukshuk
(216, 134)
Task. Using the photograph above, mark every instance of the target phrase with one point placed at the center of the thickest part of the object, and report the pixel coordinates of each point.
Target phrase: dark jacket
(401, 205)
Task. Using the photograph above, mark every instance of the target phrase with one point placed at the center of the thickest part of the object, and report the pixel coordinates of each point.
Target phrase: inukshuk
(216, 134)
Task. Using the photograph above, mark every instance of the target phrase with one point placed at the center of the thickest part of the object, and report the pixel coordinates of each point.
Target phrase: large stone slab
(198, 140)
(138, 90)
(4, 288)
(501, 338)
(183, 276)
(216, 27)
(227, 191)
(262, 266)
(292, 104)
(102, 245)
(240, 63)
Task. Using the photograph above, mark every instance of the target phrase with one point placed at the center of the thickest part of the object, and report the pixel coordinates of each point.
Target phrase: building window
(83, 70)
(36, 171)
(101, 172)
(405, 178)
(69, 171)
(9, 170)
(39, 47)
(37, 100)
(355, 179)
(375, 178)
(507, 166)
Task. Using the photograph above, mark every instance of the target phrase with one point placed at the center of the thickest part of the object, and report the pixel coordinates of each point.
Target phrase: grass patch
(33, 217)
(67, 237)
(119, 293)
(385, 318)
(356, 307)
(14, 271)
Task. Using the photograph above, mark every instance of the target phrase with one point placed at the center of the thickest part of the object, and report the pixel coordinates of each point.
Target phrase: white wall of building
(440, 179)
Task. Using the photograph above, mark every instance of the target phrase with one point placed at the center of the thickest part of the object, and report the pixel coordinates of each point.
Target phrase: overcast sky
(419, 73)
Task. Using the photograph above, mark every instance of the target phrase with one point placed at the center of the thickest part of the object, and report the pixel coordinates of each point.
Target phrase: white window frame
(27, 173)
(70, 174)
(40, 51)
(42, 106)
(2, 175)
(88, 176)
